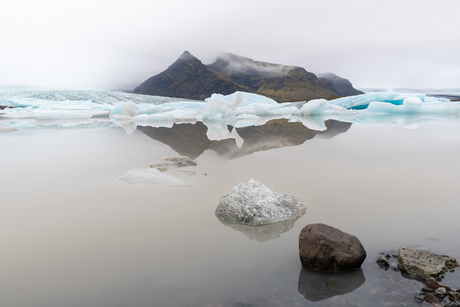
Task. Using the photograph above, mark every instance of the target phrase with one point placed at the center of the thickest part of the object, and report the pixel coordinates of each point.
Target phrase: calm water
(73, 235)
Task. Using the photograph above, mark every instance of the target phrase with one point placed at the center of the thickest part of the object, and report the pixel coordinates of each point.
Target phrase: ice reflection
(192, 140)
(264, 232)
(318, 286)
(311, 122)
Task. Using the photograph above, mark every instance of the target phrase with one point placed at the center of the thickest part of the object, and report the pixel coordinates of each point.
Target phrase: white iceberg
(313, 107)
(219, 109)
(151, 176)
(252, 203)
(390, 97)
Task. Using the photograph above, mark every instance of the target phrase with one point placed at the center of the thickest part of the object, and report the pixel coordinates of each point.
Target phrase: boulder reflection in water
(318, 286)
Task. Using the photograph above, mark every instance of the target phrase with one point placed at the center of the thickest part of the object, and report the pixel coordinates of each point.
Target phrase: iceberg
(252, 203)
(151, 176)
(414, 105)
(390, 97)
(313, 107)
(218, 109)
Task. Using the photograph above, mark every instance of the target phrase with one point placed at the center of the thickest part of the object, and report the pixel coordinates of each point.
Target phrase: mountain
(189, 78)
(341, 85)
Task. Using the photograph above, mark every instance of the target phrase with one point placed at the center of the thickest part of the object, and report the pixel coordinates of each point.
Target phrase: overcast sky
(102, 44)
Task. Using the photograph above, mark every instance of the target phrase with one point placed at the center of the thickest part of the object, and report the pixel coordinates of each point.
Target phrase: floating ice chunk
(297, 104)
(218, 109)
(248, 98)
(252, 203)
(413, 103)
(174, 162)
(47, 114)
(414, 107)
(151, 110)
(151, 176)
(313, 107)
(129, 109)
(262, 111)
(72, 107)
(125, 108)
(193, 105)
(362, 101)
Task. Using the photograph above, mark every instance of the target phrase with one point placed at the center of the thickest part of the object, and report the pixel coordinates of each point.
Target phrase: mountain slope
(341, 85)
(279, 82)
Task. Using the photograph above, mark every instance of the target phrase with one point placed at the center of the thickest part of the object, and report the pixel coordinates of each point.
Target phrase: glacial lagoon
(75, 235)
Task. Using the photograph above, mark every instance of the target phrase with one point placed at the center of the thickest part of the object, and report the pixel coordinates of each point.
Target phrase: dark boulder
(325, 248)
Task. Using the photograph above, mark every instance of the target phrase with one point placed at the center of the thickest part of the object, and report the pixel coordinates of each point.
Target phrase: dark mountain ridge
(189, 78)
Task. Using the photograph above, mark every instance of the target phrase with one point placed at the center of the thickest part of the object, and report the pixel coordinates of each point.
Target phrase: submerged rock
(252, 203)
(174, 162)
(325, 248)
(423, 263)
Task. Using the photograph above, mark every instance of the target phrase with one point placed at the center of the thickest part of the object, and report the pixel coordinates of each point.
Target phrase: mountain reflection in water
(190, 139)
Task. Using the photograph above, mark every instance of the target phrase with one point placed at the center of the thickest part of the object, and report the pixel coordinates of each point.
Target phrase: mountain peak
(188, 78)
(186, 56)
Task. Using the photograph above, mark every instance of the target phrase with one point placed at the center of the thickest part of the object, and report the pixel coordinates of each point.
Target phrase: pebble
(432, 283)
(426, 289)
(431, 298)
(419, 298)
(383, 263)
(441, 291)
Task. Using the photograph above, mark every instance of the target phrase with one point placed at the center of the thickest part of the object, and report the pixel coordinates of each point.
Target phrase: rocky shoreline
(429, 269)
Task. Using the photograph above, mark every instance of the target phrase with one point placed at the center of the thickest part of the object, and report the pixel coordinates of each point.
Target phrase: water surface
(74, 235)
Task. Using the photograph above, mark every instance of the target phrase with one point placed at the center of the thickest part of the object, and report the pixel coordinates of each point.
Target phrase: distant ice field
(26, 109)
